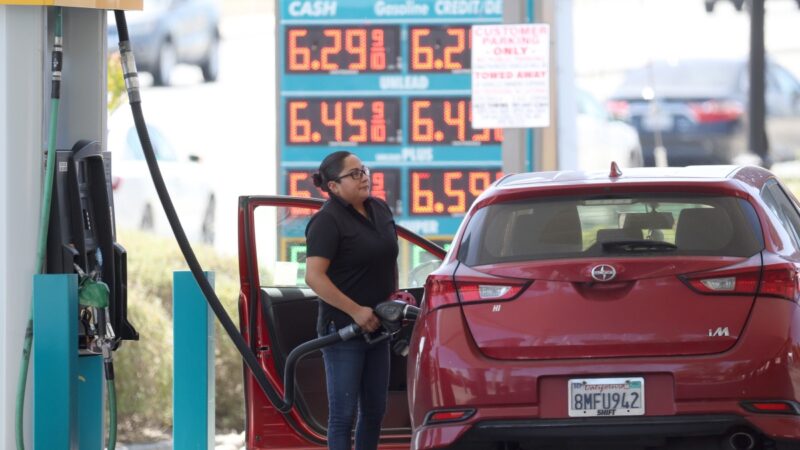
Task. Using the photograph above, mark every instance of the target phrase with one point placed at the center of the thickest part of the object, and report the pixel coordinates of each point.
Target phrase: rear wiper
(639, 245)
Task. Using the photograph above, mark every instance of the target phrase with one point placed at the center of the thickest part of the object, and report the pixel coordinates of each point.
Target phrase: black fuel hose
(134, 98)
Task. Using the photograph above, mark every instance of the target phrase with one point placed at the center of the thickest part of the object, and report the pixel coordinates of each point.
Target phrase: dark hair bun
(317, 179)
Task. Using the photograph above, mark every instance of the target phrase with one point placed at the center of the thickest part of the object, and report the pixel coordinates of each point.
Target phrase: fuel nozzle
(392, 314)
(396, 311)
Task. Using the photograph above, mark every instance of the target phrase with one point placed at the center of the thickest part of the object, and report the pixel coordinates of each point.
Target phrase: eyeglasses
(355, 174)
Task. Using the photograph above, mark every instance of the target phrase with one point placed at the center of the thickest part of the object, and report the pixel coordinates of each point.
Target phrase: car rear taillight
(772, 407)
(448, 416)
(619, 109)
(115, 182)
(779, 280)
(470, 291)
(716, 111)
(442, 290)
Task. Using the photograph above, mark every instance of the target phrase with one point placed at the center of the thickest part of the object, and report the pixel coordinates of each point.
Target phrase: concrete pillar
(26, 35)
(23, 37)
(564, 105)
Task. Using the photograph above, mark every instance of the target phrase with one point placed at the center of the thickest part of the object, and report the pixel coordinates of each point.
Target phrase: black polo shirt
(363, 253)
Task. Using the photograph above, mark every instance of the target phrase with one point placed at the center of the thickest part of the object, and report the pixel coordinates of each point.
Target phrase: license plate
(657, 122)
(593, 397)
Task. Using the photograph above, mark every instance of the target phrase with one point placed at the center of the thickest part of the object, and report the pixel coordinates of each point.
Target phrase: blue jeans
(357, 376)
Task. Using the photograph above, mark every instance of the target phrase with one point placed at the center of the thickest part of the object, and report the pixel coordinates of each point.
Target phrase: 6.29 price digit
(357, 48)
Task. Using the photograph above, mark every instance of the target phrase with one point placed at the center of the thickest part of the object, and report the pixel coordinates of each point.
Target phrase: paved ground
(222, 442)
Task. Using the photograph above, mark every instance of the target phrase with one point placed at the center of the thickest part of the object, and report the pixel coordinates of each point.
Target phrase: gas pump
(82, 240)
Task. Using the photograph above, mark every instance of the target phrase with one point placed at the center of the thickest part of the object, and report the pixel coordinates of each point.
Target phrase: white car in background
(136, 203)
(602, 139)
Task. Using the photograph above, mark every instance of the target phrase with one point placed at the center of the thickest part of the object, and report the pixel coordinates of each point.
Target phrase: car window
(415, 264)
(281, 250)
(770, 83)
(133, 149)
(589, 106)
(786, 83)
(784, 210)
(163, 149)
(577, 228)
(775, 81)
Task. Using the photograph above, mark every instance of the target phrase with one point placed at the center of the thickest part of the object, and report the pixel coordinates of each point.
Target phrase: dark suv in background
(699, 108)
(171, 32)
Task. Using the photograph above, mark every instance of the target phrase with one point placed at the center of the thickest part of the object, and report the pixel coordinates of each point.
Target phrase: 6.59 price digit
(447, 192)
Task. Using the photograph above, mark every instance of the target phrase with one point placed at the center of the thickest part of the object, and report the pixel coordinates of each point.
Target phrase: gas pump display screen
(324, 121)
(314, 49)
(447, 191)
(439, 48)
(385, 184)
(446, 121)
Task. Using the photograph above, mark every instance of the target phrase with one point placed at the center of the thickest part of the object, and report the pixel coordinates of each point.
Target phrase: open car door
(278, 311)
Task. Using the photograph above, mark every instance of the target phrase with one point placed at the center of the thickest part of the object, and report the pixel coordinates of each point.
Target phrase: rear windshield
(620, 226)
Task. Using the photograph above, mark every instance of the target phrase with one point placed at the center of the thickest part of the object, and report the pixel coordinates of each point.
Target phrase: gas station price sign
(389, 81)
(444, 191)
(325, 121)
(437, 120)
(385, 185)
(439, 48)
(328, 49)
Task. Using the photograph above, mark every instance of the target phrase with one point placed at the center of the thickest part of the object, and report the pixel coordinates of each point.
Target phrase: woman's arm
(318, 280)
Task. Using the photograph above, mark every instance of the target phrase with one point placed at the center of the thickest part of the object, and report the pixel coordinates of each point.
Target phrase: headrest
(546, 230)
(703, 229)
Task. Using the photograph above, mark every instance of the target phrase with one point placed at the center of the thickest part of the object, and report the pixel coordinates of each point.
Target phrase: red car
(651, 309)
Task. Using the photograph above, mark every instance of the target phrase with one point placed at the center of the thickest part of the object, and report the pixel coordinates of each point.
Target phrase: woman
(351, 264)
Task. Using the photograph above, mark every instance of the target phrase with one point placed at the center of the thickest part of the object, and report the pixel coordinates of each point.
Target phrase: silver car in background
(171, 32)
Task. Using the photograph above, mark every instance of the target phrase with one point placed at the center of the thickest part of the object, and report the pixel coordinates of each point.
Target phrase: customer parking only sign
(510, 73)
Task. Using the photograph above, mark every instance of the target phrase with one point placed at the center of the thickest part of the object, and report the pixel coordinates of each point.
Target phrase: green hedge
(144, 368)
